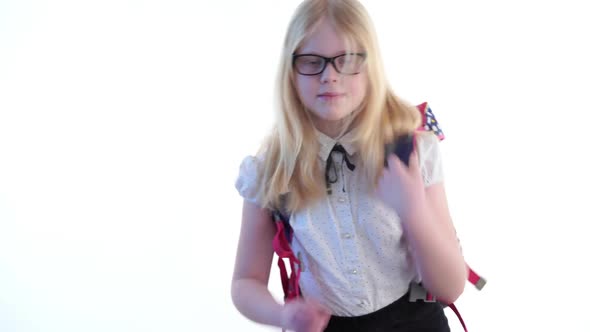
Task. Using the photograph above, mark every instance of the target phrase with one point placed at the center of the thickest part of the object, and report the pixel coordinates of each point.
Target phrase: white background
(123, 123)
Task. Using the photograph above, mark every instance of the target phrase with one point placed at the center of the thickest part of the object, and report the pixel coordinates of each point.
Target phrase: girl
(363, 232)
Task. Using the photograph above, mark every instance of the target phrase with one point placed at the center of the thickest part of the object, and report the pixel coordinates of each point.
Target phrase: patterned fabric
(429, 121)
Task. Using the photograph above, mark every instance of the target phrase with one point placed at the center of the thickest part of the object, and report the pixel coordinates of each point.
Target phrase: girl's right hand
(304, 315)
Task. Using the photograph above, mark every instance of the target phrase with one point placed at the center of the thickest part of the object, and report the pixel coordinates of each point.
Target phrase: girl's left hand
(400, 187)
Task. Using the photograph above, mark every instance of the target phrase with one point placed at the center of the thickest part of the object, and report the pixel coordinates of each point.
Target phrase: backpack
(284, 235)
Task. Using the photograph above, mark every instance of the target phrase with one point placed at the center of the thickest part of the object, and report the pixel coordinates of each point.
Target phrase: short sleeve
(247, 180)
(430, 158)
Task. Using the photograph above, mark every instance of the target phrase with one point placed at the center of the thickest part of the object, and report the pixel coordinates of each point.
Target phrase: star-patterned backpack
(284, 235)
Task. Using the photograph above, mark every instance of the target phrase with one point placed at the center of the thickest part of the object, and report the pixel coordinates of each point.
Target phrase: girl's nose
(329, 74)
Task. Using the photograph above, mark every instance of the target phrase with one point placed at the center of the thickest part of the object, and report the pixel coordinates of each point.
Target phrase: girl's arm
(422, 207)
(434, 242)
(249, 290)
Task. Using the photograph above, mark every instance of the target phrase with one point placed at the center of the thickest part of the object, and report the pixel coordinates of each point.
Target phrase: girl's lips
(330, 96)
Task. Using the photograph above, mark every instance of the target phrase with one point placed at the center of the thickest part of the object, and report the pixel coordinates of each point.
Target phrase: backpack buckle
(417, 292)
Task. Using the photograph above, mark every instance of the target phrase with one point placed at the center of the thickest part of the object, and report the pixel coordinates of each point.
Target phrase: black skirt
(400, 316)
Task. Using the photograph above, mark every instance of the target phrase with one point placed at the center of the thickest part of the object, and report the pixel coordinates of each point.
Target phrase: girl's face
(330, 96)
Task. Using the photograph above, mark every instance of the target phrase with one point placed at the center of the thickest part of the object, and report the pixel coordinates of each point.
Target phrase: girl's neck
(331, 129)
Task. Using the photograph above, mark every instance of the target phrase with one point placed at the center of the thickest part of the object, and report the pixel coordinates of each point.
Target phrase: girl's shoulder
(429, 156)
(426, 141)
(247, 182)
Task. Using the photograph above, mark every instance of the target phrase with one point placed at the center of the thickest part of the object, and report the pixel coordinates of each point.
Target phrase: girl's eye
(312, 60)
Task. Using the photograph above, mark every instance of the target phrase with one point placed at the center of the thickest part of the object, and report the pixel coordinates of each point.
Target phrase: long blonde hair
(290, 163)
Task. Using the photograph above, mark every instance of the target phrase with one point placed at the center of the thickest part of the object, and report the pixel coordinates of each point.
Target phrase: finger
(322, 311)
(414, 163)
(320, 324)
(319, 307)
(320, 327)
(394, 162)
(325, 321)
(323, 314)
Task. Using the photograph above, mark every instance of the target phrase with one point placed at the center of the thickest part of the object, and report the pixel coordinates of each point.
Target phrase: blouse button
(347, 235)
(341, 200)
(354, 271)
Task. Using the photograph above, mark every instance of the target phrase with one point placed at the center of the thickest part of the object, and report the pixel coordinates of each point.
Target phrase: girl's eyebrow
(318, 53)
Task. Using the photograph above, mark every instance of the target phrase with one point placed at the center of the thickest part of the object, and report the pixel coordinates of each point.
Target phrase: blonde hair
(290, 163)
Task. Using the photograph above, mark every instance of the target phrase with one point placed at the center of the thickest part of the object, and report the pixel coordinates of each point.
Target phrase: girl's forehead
(326, 40)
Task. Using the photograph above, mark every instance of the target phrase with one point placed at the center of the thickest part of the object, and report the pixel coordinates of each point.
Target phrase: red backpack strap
(282, 246)
(456, 311)
(476, 279)
(478, 282)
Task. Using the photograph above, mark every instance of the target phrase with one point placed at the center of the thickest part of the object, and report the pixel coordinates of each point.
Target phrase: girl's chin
(332, 115)
(339, 118)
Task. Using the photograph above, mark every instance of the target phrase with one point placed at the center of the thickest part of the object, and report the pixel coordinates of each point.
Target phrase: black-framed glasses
(313, 64)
